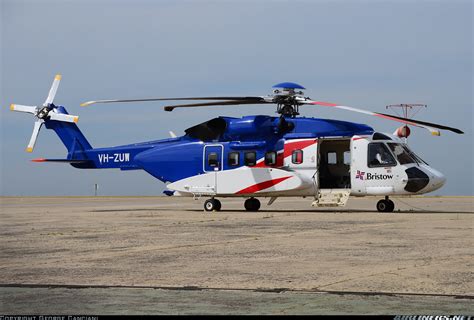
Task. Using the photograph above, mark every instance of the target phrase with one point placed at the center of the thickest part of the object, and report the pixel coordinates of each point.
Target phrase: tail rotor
(48, 111)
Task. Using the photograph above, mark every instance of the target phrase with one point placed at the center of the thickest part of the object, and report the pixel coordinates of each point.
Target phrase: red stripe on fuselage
(262, 185)
(287, 151)
(298, 145)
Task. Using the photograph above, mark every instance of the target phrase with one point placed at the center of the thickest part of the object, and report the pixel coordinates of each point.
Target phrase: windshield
(403, 156)
(414, 155)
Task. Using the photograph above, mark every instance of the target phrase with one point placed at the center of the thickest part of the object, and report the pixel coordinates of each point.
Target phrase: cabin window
(297, 156)
(332, 158)
(379, 156)
(347, 158)
(270, 158)
(212, 159)
(250, 158)
(233, 159)
(401, 154)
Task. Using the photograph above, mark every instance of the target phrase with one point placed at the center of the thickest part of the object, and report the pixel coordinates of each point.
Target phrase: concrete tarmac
(165, 255)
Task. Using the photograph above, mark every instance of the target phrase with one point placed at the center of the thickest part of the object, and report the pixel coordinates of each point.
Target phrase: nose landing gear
(385, 205)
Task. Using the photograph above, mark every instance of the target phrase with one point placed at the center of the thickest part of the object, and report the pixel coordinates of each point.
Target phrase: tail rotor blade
(63, 117)
(53, 90)
(34, 135)
(21, 108)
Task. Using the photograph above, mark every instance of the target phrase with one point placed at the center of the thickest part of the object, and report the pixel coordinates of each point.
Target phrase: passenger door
(300, 156)
(212, 163)
(213, 155)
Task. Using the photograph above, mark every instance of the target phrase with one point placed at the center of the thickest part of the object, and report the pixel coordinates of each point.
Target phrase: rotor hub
(44, 111)
(287, 103)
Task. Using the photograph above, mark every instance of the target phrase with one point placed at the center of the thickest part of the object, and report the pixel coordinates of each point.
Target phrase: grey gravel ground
(158, 301)
(348, 260)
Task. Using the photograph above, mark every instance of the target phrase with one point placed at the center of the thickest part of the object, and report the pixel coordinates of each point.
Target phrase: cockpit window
(402, 155)
(414, 155)
(379, 156)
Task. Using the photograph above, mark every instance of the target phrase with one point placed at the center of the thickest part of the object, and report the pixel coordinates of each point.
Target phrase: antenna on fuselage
(408, 111)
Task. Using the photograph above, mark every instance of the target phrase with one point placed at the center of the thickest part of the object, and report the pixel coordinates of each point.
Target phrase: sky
(365, 54)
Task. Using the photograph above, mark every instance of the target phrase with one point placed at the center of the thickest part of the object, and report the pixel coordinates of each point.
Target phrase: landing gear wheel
(252, 204)
(385, 206)
(391, 206)
(212, 205)
(218, 205)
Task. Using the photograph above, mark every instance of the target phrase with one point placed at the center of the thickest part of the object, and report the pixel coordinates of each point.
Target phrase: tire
(382, 206)
(218, 205)
(391, 206)
(385, 206)
(210, 205)
(256, 204)
(252, 204)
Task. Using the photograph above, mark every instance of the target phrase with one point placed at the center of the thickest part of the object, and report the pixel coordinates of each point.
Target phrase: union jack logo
(360, 175)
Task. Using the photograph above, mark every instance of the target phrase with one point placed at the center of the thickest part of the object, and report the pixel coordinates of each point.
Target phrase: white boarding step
(331, 198)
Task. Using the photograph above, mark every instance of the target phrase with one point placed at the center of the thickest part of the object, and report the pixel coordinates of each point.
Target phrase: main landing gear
(212, 205)
(385, 205)
(252, 204)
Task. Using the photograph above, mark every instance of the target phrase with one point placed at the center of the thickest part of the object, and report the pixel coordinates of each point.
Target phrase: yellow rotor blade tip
(12, 107)
(58, 77)
(29, 149)
(76, 119)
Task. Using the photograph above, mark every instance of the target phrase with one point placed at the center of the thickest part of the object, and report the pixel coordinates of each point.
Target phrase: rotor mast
(286, 96)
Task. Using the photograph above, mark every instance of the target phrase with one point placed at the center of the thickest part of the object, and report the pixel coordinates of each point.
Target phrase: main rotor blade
(21, 108)
(434, 125)
(426, 125)
(88, 103)
(63, 117)
(34, 135)
(220, 103)
(53, 90)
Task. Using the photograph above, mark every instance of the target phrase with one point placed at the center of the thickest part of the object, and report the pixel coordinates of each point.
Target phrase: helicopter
(259, 156)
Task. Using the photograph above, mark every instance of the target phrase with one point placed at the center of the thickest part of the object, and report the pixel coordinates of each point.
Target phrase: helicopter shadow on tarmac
(237, 211)
(335, 211)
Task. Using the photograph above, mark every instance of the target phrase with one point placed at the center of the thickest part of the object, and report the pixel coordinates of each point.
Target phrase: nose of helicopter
(437, 179)
(424, 179)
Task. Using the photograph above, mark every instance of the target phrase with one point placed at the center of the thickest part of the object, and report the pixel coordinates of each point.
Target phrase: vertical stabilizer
(70, 135)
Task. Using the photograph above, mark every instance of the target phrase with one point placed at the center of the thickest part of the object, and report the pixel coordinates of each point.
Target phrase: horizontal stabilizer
(60, 160)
